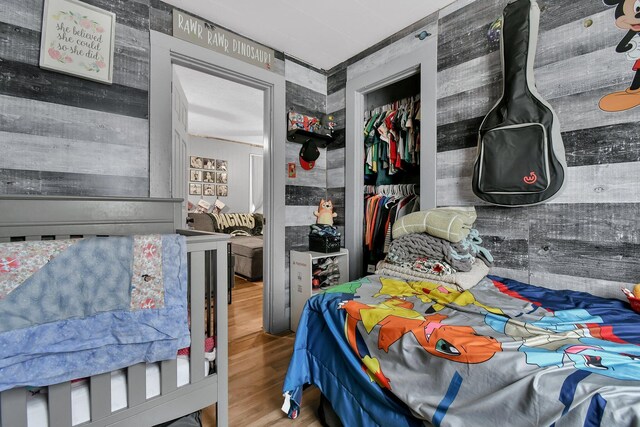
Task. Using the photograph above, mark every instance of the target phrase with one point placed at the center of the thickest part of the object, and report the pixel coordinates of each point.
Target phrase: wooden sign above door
(202, 33)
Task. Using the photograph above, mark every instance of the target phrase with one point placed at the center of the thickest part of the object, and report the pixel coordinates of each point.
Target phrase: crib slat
(100, 396)
(60, 404)
(136, 384)
(13, 407)
(197, 276)
(169, 376)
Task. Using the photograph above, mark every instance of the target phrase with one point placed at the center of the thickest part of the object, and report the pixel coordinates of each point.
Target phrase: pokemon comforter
(387, 352)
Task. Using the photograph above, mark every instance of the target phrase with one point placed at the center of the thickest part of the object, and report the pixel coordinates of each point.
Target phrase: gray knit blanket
(459, 255)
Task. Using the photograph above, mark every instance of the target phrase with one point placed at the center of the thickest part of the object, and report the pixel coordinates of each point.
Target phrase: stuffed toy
(325, 213)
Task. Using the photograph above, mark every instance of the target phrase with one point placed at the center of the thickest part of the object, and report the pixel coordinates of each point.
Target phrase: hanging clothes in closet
(383, 206)
(392, 143)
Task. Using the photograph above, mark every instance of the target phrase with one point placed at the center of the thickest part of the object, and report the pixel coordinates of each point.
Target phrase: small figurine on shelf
(330, 124)
(325, 213)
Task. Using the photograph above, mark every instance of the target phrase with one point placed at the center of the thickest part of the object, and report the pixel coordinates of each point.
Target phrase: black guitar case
(521, 159)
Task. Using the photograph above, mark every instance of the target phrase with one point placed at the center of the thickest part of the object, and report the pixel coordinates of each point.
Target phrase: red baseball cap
(309, 153)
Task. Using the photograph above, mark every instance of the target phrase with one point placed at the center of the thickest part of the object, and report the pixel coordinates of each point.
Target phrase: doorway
(168, 151)
(224, 137)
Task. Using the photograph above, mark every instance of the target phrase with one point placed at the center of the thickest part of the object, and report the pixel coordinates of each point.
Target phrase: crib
(155, 393)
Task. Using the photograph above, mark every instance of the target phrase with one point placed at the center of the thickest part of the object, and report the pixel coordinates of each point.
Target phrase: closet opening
(391, 128)
(391, 143)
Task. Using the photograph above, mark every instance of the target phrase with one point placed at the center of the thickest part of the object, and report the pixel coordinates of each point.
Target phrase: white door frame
(422, 60)
(167, 50)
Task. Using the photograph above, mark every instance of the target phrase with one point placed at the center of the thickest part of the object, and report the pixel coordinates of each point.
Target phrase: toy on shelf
(325, 213)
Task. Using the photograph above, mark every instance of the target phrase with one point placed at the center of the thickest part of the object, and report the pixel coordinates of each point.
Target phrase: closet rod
(393, 189)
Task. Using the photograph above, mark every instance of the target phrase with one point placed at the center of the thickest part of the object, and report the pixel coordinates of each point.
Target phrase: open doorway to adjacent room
(223, 128)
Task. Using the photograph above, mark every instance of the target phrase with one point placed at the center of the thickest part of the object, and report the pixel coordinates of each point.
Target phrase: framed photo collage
(208, 177)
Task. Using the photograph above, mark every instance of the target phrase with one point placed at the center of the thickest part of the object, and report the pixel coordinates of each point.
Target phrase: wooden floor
(257, 365)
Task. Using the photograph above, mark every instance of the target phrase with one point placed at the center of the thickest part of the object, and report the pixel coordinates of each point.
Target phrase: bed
(141, 394)
(387, 351)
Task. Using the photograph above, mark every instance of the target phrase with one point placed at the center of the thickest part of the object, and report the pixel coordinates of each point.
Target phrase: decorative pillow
(238, 224)
(452, 224)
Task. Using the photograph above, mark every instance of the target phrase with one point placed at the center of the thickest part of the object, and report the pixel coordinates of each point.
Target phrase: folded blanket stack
(438, 245)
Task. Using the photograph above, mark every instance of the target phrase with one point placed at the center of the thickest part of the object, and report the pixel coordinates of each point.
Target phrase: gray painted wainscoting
(588, 237)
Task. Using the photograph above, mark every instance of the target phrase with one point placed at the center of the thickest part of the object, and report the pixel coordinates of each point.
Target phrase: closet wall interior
(391, 127)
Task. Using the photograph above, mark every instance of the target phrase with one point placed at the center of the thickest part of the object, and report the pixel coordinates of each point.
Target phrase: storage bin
(324, 244)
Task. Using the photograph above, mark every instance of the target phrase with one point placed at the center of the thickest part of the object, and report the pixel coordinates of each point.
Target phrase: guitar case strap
(520, 159)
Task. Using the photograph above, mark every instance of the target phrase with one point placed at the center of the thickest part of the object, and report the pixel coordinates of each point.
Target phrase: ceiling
(222, 109)
(321, 33)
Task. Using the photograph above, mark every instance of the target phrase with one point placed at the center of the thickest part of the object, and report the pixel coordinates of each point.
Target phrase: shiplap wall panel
(596, 219)
(23, 115)
(604, 288)
(296, 195)
(336, 152)
(608, 183)
(316, 177)
(554, 46)
(63, 135)
(131, 67)
(336, 101)
(29, 81)
(71, 155)
(305, 101)
(305, 77)
(306, 94)
(336, 82)
(463, 34)
(387, 53)
(14, 181)
(22, 13)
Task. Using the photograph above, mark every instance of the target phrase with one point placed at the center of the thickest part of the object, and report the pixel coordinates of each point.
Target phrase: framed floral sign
(78, 39)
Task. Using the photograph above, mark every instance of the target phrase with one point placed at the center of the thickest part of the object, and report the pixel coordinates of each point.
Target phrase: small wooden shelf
(301, 275)
(301, 136)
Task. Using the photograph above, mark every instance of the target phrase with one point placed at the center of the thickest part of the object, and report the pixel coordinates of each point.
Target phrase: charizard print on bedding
(502, 352)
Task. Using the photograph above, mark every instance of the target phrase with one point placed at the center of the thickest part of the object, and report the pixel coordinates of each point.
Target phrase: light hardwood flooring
(257, 365)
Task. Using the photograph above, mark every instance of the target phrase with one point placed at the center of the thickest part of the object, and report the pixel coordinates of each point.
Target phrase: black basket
(324, 244)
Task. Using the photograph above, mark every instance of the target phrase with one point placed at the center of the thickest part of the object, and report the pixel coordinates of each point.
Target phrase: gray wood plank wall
(62, 135)
(596, 220)
(306, 94)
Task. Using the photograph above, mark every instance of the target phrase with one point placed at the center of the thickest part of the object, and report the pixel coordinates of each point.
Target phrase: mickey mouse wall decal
(627, 15)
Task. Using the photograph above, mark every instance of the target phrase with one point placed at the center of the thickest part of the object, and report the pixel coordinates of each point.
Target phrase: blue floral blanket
(75, 308)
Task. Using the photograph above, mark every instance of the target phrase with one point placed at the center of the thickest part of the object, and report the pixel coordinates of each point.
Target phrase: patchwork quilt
(75, 308)
(386, 351)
